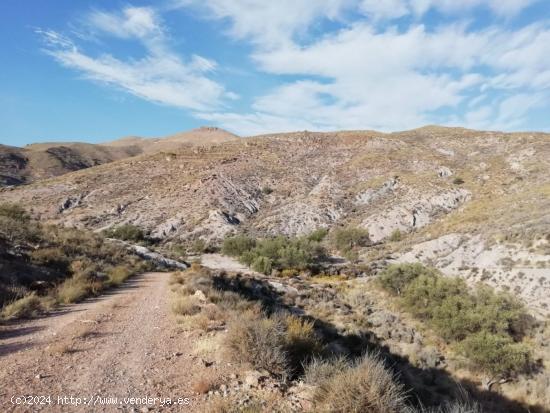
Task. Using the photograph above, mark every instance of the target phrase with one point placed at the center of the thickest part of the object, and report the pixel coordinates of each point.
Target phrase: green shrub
(397, 276)
(266, 190)
(484, 325)
(458, 181)
(348, 240)
(126, 232)
(262, 264)
(495, 353)
(275, 253)
(367, 386)
(238, 245)
(318, 235)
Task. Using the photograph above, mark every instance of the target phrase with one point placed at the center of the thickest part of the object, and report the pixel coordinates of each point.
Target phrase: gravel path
(123, 344)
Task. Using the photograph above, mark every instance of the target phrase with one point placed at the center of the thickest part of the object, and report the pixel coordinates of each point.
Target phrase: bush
(348, 240)
(458, 181)
(199, 246)
(14, 211)
(300, 341)
(266, 190)
(396, 235)
(367, 386)
(259, 341)
(262, 264)
(318, 235)
(483, 324)
(275, 253)
(50, 257)
(126, 232)
(397, 276)
(495, 353)
(25, 307)
(238, 245)
(320, 370)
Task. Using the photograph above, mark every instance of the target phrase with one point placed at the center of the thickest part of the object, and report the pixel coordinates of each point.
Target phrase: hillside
(45, 160)
(472, 203)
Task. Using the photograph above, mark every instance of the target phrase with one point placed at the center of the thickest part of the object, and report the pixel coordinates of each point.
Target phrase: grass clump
(119, 274)
(25, 307)
(73, 290)
(185, 305)
(349, 240)
(367, 386)
(484, 326)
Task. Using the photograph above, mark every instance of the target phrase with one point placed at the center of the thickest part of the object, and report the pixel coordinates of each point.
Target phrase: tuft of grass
(72, 290)
(320, 370)
(186, 305)
(119, 274)
(367, 386)
(25, 307)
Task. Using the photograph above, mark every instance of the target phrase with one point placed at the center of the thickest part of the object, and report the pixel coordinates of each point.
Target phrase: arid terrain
(471, 205)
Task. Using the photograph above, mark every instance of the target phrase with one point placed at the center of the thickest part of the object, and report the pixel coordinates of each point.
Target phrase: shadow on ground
(431, 386)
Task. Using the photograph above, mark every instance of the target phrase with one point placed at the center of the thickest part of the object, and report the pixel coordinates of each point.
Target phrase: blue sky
(98, 70)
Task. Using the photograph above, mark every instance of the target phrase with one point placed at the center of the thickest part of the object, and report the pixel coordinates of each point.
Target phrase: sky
(98, 70)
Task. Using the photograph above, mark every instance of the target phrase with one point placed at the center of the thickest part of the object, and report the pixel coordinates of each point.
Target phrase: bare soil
(123, 344)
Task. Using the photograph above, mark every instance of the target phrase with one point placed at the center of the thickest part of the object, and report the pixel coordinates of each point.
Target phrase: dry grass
(28, 306)
(72, 290)
(205, 383)
(368, 386)
(185, 305)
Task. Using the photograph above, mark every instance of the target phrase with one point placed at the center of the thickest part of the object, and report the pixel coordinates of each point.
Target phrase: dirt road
(121, 345)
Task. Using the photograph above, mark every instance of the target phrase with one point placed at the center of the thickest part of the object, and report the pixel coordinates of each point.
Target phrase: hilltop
(48, 159)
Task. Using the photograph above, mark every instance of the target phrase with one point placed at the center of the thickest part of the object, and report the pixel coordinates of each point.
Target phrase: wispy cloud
(336, 64)
(161, 76)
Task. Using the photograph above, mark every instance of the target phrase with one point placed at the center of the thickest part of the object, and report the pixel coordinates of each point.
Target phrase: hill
(45, 160)
(472, 203)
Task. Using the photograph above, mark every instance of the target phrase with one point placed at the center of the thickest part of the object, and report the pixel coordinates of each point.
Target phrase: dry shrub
(205, 383)
(119, 274)
(259, 341)
(213, 312)
(367, 386)
(319, 370)
(185, 305)
(300, 341)
(28, 306)
(73, 290)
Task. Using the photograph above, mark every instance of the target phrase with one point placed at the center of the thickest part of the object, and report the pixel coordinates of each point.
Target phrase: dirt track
(123, 344)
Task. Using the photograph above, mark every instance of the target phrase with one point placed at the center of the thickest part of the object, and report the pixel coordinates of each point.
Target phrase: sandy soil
(123, 344)
(221, 262)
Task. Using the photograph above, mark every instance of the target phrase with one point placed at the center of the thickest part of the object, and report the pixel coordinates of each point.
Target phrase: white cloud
(161, 76)
(269, 23)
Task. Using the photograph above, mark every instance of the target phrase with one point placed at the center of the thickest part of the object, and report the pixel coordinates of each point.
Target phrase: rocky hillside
(46, 160)
(472, 203)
